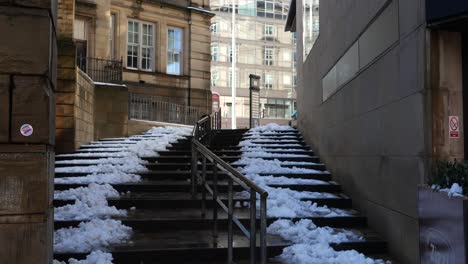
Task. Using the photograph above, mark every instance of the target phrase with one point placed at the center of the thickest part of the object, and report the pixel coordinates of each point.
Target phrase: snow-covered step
(175, 246)
(150, 200)
(299, 159)
(190, 218)
(90, 155)
(272, 151)
(180, 246)
(185, 186)
(265, 147)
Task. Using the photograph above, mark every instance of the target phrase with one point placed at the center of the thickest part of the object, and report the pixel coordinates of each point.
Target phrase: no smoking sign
(454, 127)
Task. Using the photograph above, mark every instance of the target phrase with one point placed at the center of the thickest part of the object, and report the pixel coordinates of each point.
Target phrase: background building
(157, 49)
(378, 87)
(264, 49)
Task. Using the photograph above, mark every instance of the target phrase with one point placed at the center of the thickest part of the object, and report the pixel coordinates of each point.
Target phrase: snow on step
(311, 244)
(97, 231)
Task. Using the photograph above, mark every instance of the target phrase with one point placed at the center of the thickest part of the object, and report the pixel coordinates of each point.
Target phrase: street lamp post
(233, 67)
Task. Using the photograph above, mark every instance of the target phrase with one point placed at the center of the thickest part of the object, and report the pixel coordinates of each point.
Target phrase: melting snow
(91, 203)
(96, 257)
(92, 235)
(311, 243)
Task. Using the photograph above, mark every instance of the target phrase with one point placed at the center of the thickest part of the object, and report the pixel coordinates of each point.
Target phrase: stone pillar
(66, 77)
(27, 120)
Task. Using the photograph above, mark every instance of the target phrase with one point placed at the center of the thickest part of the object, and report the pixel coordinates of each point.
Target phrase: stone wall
(84, 109)
(373, 132)
(110, 111)
(27, 100)
(137, 127)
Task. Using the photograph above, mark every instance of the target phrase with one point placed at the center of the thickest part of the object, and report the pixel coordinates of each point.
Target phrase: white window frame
(272, 11)
(214, 28)
(268, 85)
(180, 52)
(140, 46)
(214, 53)
(269, 30)
(214, 77)
(268, 56)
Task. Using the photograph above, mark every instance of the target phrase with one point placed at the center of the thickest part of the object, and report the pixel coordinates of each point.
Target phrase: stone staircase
(167, 221)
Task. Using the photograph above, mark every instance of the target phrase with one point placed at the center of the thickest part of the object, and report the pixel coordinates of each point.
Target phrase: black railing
(146, 107)
(202, 132)
(101, 70)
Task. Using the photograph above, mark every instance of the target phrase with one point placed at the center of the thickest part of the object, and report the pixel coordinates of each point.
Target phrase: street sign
(454, 127)
(254, 100)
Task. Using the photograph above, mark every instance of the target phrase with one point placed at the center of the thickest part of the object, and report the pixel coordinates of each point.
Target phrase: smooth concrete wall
(371, 133)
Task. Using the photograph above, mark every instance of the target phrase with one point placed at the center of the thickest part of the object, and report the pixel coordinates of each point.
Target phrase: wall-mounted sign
(26, 130)
(454, 127)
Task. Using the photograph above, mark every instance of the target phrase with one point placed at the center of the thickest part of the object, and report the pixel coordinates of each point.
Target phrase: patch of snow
(253, 144)
(81, 193)
(265, 154)
(90, 202)
(270, 150)
(246, 159)
(98, 161)
(111, 178)
(103, 149)
(96, 257)
(130, 166)
(255, 166)
(270, 127)
(89, 236)
(277, 180)
(454, 191)
(311, 243)
(90, 153)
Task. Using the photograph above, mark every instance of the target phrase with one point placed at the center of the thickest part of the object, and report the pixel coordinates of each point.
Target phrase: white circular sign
(26, 130)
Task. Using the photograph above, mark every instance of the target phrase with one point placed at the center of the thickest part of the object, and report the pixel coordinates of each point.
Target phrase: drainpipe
(189, 94)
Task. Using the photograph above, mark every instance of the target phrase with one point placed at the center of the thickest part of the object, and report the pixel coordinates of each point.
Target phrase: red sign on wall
(454, 127)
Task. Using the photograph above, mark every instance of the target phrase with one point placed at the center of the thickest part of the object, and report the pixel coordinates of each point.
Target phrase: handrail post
(253, 223)
(203, 189)
(263, 224)
(215, 198)
(194, 170)
(230, 212)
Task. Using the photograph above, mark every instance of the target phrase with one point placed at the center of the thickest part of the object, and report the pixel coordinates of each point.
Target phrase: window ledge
(129, 70)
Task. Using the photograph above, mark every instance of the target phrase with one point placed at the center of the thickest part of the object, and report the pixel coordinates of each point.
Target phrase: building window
(310, 24)
(214, 77)
(268, 56)
(214, 28)
(230, 53)
(214, 53)
(112, 36)
(268, 81)
(278, 108)
(270, 8)
(80, 29)
(174, 50)
(140, 45)
(269, 30)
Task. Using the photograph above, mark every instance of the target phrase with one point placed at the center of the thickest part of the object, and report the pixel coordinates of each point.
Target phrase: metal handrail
(146, 107)
(102, 70)
(233, 176)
